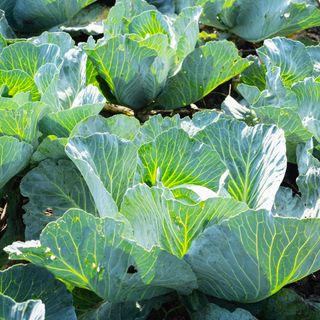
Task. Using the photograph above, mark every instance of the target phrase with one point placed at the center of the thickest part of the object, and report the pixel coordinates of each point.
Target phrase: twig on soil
(114, 108)
(3, 220)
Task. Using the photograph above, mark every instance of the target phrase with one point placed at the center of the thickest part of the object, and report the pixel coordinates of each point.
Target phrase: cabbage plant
(282, 87)
(174, 205)
(149, 60)
(29, 292)
(36, 16)
(257, 20)
(54, 72)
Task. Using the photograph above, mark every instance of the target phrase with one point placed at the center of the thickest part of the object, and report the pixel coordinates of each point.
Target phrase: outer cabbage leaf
(62, 123)
(21, 121)
(22, 75)
(288, 205)
(256, 20)
(7, 6)
(253, 255)
(308, 99)
(174, 158)
(202, 71)
(34, 16)
(309, 186)
(51, 147)
(127, 310)
(255, 75)
(71, 100)
(166, 6)
(158, 219)
(287, 303)
(5, 30)
(18, 81)
(122, 12)
(34, 57)
(212, 312)
(290, 56)
(256, 159)
(308, 205)
(156, 125)
(52, 188)
(26, 282)
(89, 20)
(31, 309)
(61, 39)
(108, 165)
(14, 156)
(94, 254)
(120, 125)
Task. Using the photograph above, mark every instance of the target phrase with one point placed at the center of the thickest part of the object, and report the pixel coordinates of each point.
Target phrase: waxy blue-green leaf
(158, 219)
(149, 23)
(166, 6)
(290, 56)
(32, 16)
(308, 99)
(18, 81)
(25, 74)
(314, 53)
(71, 100)
(238, 111)
(287, 204)
(25, 282)
(88, 21)
(256, 20)
(286, 304)
(255, 157)
(7, 6)
(21, 121)
(33, 57)
(186, 29)
(108, 165)
(5, 30)
(202, 71)
(53, 188)
(253, 255)
(93, 253)
(120, 125)
(62, 39)
(255, 74)
(307, 204)
(155, 126)
(127, 310)
(287, 119)
(14, 156)
(213, 311)
(121, 61)
(122, 12)
(51, 147)
(31, 309)
(174, 158)
(62, 123)
(309, 180)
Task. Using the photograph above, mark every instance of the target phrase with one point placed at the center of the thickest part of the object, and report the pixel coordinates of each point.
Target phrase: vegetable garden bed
(159, 159)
